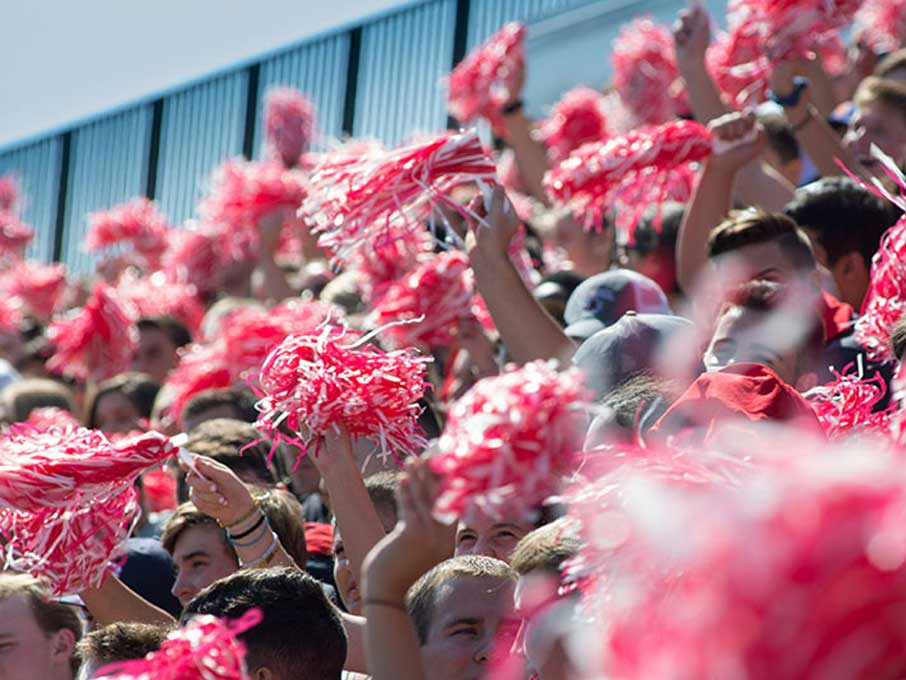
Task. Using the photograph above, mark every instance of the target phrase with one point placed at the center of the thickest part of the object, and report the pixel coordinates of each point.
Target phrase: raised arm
(115, 602)
(691, 36)
(526, 329)
(273, 286)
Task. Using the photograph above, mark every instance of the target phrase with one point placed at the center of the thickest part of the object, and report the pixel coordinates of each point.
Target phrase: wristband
(265, 526)
(265, 557)
(246, 517)
(512, 107)
(792, 99)
(248, 532)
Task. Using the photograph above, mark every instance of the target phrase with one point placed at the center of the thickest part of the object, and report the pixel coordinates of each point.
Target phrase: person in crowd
(115, 643)
(651, 250)
(234, 403)
(121, 404)
(159, 341)
(20, 398)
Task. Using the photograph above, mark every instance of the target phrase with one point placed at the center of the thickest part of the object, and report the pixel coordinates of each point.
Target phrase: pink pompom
(289, 121)
(881, 25)
(242, 193)
(314, 382)
(510, 439)
(434, 298)
(9, 193)
(68, 500)
(14, 234)
(10, 316)
(156, 296)
(645, 72)
(647, 164)
(38, 285)
(206, 648)
(51, 418)
(95, 342)
(137, 223)
(576, 119)
(362, 202)
(485, 80)
(846, 406)
(197, 256)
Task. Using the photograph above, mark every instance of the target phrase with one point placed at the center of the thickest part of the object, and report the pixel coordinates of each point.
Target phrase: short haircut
(121, 642)
(422, 596)
(382, 487)
(20, 398)
(890, 93)
(843, 216)
(755, 227)
(546, 548)
(236, 444)
(50, 616)
(284, 514)
(242, 401)
(780, 136)
(658, 228)
(891, 63)
(139, 388)
(173, 328)
(638, 393)
(301, 633)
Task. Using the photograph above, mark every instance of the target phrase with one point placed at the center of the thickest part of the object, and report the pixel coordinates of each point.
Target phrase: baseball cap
(148, 570)
(602, 299)
(625, 349)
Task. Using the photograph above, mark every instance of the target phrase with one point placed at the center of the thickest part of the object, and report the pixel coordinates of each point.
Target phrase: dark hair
(780, 136)
(422, 596)
(754, 227)
(658, 228)
(173, 328)
(301, 632)
(236, 444)
(546, 548)
(892, 62)
(843, 216)
(49, 615)
(241, 401)
(382, 487)
(140, 389)
(121, 642)
(22, 397)
(890, 93)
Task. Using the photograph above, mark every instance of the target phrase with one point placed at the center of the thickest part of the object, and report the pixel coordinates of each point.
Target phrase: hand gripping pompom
(578, 118)
(137, 223)
(206, 648)
(68, 500)
(97, 341)
(363, 202)
(650, 163)
(313, 382)
(289, 121)
(484, 81)
(645, 72)
(510, 440)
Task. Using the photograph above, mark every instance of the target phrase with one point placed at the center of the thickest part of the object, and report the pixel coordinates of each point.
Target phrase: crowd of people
(617, 398)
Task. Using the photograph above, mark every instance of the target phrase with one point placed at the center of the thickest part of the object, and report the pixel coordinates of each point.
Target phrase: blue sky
(64, 61)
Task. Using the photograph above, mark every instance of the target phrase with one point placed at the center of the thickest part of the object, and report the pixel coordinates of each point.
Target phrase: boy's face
(484, 535)
(200, 556)
(468, 611)
(26, 650)
(877, 123)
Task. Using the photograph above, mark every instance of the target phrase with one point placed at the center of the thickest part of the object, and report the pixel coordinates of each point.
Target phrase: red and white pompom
(846, 407)
(38, 285)
(9, 193)
(242, 193)
(359, 203)
(206, 648)
(289, 122)
(576, 119)
(646, 162)
(95, 342)
(881, 25)
(68, 500)
(197, 256)
(645, 72)
(311, 383)
(10, 316)
(137, 223)
(14, 234)
(432, 300)
(510, 440)
(487, 78)
(51, 418)
(156, 296)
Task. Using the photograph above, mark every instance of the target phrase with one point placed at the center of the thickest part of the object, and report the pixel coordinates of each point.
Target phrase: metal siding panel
(108, 167)
(200, 128)
(318, 70)
(404, 58)
(486, 16)
(37, 167)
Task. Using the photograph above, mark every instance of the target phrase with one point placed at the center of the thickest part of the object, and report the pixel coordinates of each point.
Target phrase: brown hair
(890, 93)
(381, 487)
(22, 397)
(50, 616)
(546, 548)
(754, 227)
(422, 596)
(140, 389)
(236, 444)
(121, 642)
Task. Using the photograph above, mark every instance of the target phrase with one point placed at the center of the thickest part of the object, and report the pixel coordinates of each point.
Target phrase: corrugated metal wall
(200, 127)
(486, 16)
(107, 166)
(403, 59)
(317, 69)
(37, 167)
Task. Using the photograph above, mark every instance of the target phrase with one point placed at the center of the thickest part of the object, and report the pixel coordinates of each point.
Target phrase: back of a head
(422, 596)
(546, 548)
(118, 642)
(382, 487)
(236, 444)
(843, 216)
(19, 399)
(219, 403)
(757, 227)
(300, 637)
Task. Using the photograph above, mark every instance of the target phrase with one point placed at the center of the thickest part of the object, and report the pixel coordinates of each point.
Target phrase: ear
(849, 266)
(806, 382)
(62, 646)
(264, 674)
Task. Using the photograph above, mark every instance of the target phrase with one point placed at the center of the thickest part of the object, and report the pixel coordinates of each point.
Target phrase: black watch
(512, 107)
